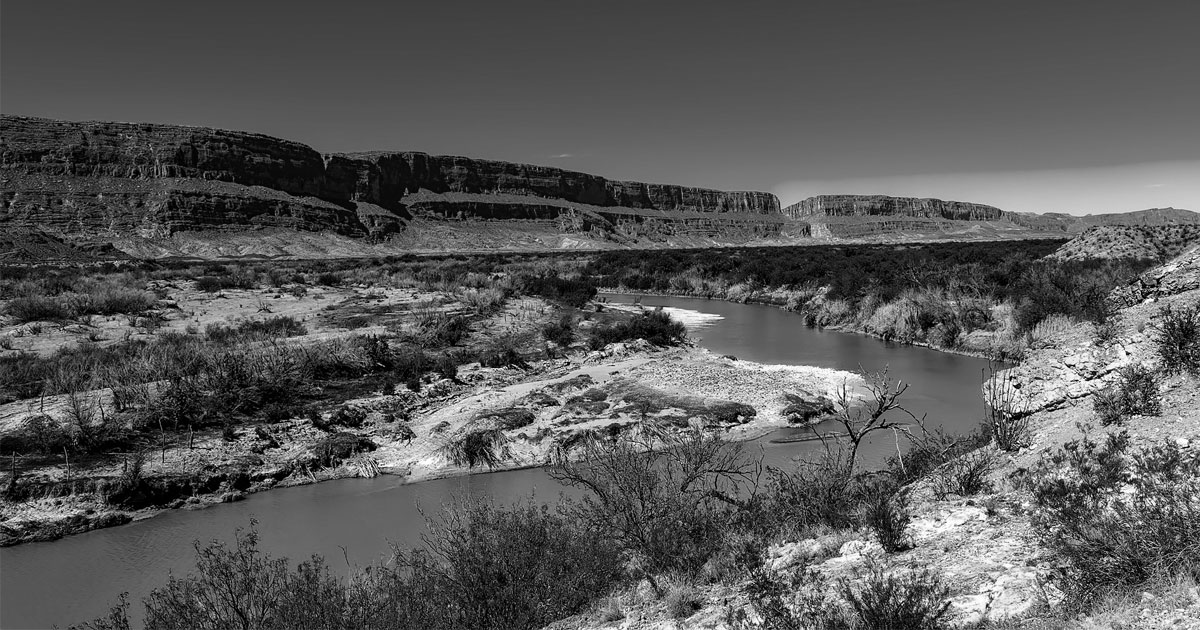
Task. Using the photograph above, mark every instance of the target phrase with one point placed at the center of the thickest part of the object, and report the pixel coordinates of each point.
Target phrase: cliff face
(98, 178)
(881, 205)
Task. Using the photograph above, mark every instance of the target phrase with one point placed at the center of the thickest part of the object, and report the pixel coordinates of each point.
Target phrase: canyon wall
(882, 205)
(95, 178)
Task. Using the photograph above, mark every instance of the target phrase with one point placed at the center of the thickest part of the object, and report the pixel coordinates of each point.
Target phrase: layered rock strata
(90, 178)
(882, 205)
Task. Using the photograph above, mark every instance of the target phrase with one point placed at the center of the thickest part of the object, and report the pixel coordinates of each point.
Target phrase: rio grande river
(77, 578)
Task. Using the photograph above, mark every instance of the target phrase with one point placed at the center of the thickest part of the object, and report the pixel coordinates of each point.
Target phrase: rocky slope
(1149, 242)
(94, 180)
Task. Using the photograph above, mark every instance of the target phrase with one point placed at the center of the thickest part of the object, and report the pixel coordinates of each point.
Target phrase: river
(354, 520)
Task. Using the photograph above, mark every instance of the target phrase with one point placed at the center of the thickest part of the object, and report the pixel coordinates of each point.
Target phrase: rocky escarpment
(98, 179)
(882, 205)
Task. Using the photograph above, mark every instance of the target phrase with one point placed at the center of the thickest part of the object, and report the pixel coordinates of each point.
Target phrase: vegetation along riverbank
(1073, 505)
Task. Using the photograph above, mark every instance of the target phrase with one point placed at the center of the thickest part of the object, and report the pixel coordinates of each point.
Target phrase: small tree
(858, 422)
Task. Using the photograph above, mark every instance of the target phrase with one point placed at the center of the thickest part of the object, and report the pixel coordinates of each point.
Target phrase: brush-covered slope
(127, 181)
(1146, 242)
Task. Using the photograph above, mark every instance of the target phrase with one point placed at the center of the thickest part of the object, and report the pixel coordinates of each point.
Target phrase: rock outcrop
(91, 179)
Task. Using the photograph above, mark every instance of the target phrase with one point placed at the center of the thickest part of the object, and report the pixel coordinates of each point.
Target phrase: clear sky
(1049, 105)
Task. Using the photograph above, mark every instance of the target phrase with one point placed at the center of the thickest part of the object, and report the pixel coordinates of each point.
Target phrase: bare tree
(859, 421)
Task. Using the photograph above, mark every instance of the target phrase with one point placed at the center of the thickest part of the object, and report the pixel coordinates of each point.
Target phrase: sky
(1036, 106)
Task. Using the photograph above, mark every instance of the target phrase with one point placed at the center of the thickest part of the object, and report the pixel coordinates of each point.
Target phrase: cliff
(122, 180)
(882, 205)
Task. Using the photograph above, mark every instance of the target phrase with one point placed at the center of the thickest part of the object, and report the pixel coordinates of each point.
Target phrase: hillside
(1148, 242)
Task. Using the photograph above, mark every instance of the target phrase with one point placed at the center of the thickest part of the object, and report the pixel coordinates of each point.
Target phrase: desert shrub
(409, 361)
(443, 330)
(664, 498)
(272, 327)
(1118, 518)
(821, 490)
(570, 292)
(477, 447)
(239, 278)
(331, 450)
(1135, 393)
(559, 566)
(1178, 340)
(965, 475)
(329, 279)
(914, 600)
(39, 308)
(886, 513)
(446, 366)
(682, 599)
(656, 327)
(502, 353)
(561, 332)
(484, 300)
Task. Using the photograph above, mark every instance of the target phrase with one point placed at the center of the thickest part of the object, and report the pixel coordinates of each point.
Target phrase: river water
(355, 520)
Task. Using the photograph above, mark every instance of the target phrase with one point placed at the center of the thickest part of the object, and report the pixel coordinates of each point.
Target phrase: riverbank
(1001, 568)
(552, 404)
(994, 339)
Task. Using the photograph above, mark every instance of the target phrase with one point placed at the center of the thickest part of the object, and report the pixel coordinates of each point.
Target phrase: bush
(964, 475)
(1135, 393)
(477, 447)
(682, 599)
(39, 308)
(886, 512)
(1178, 340)
(570, 292)
(471, 575)
(335, 448)
(1111, 536)
(916, 600)
(656, 327)
(561, 332)
(665, 499)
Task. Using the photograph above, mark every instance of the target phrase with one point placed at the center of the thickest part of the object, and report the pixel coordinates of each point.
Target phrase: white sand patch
(692, 319)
